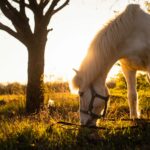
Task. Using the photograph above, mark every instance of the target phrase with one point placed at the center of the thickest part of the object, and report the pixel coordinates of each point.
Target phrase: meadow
(19, 131)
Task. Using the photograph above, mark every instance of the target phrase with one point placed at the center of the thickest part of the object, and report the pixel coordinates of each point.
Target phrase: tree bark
(35, 85)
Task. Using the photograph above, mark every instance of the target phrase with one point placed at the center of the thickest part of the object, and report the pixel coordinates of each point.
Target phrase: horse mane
(104, 44)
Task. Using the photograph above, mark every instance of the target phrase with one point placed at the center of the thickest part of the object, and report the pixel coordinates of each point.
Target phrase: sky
(73, 29)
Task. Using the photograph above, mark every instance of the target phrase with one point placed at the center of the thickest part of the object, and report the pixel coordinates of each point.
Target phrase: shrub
(12, 88)
(56, 87)
(17, 88)
(142, 83)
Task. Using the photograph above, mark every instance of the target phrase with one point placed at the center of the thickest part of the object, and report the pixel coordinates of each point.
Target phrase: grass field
(38, 132)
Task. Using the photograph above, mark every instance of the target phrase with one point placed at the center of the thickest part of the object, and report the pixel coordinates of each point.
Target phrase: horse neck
(99, 83)
(99, 75)
(99, 86)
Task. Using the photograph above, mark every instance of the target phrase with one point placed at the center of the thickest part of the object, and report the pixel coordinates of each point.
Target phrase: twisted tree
(34, 39)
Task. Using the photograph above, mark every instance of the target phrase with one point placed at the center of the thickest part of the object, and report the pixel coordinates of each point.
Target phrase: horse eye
(81, 94)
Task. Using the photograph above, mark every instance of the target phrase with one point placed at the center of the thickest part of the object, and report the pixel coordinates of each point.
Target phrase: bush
(12, 88)
(17, 88)
(56, 87)
(142, 83)
(120, 82)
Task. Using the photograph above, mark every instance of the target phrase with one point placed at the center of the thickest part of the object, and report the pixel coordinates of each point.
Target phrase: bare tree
(34, 40)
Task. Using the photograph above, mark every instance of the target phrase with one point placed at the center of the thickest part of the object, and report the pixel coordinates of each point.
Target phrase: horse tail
(148, 77)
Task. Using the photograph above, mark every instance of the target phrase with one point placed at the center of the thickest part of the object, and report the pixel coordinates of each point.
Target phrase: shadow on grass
(125, 139)
(38, 136)
(12, 109)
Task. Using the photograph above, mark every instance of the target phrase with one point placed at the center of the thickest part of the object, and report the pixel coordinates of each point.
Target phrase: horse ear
(76, 71)
(77, 80)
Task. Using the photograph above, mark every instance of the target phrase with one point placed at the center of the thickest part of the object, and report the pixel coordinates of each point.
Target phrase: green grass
(38, 132)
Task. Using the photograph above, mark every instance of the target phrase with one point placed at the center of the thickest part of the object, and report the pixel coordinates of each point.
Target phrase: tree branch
(25, 4)
(48, 14)
(22, 7)
(52, 9)
(18, 19)
(7, 9)
(10, 7)
(43, 3)
(51, 29)
(34, 2)
(33, 5)
(16, 35)
(61, 7)
(9, 31)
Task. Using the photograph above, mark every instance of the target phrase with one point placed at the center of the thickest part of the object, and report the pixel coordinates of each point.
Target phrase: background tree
(34, 40)
(147, 4)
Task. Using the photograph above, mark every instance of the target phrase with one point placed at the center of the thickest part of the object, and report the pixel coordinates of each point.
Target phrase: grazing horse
(127, 39)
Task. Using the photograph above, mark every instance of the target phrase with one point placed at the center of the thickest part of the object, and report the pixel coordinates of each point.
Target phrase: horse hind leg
(130, 77)
(148, 74)
(148, 77)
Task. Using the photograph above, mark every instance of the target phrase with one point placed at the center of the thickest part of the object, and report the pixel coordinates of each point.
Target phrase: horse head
(92, 105)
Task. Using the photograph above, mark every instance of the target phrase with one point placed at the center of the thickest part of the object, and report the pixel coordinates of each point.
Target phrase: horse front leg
(133, 103)
(130, 77)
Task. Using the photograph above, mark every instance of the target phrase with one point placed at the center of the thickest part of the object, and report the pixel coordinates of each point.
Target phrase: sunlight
(66, 48)
(13, 60)
(67, 44)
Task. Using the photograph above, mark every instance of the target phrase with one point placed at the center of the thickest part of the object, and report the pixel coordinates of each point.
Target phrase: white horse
(127, 39)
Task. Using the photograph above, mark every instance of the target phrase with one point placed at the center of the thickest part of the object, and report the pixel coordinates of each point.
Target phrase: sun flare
(67, 44)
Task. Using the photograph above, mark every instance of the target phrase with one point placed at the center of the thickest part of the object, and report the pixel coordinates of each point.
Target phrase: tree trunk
(35, 40)
(35, 89)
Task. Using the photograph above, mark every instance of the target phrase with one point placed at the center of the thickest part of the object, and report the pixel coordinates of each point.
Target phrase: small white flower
(51, 103)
